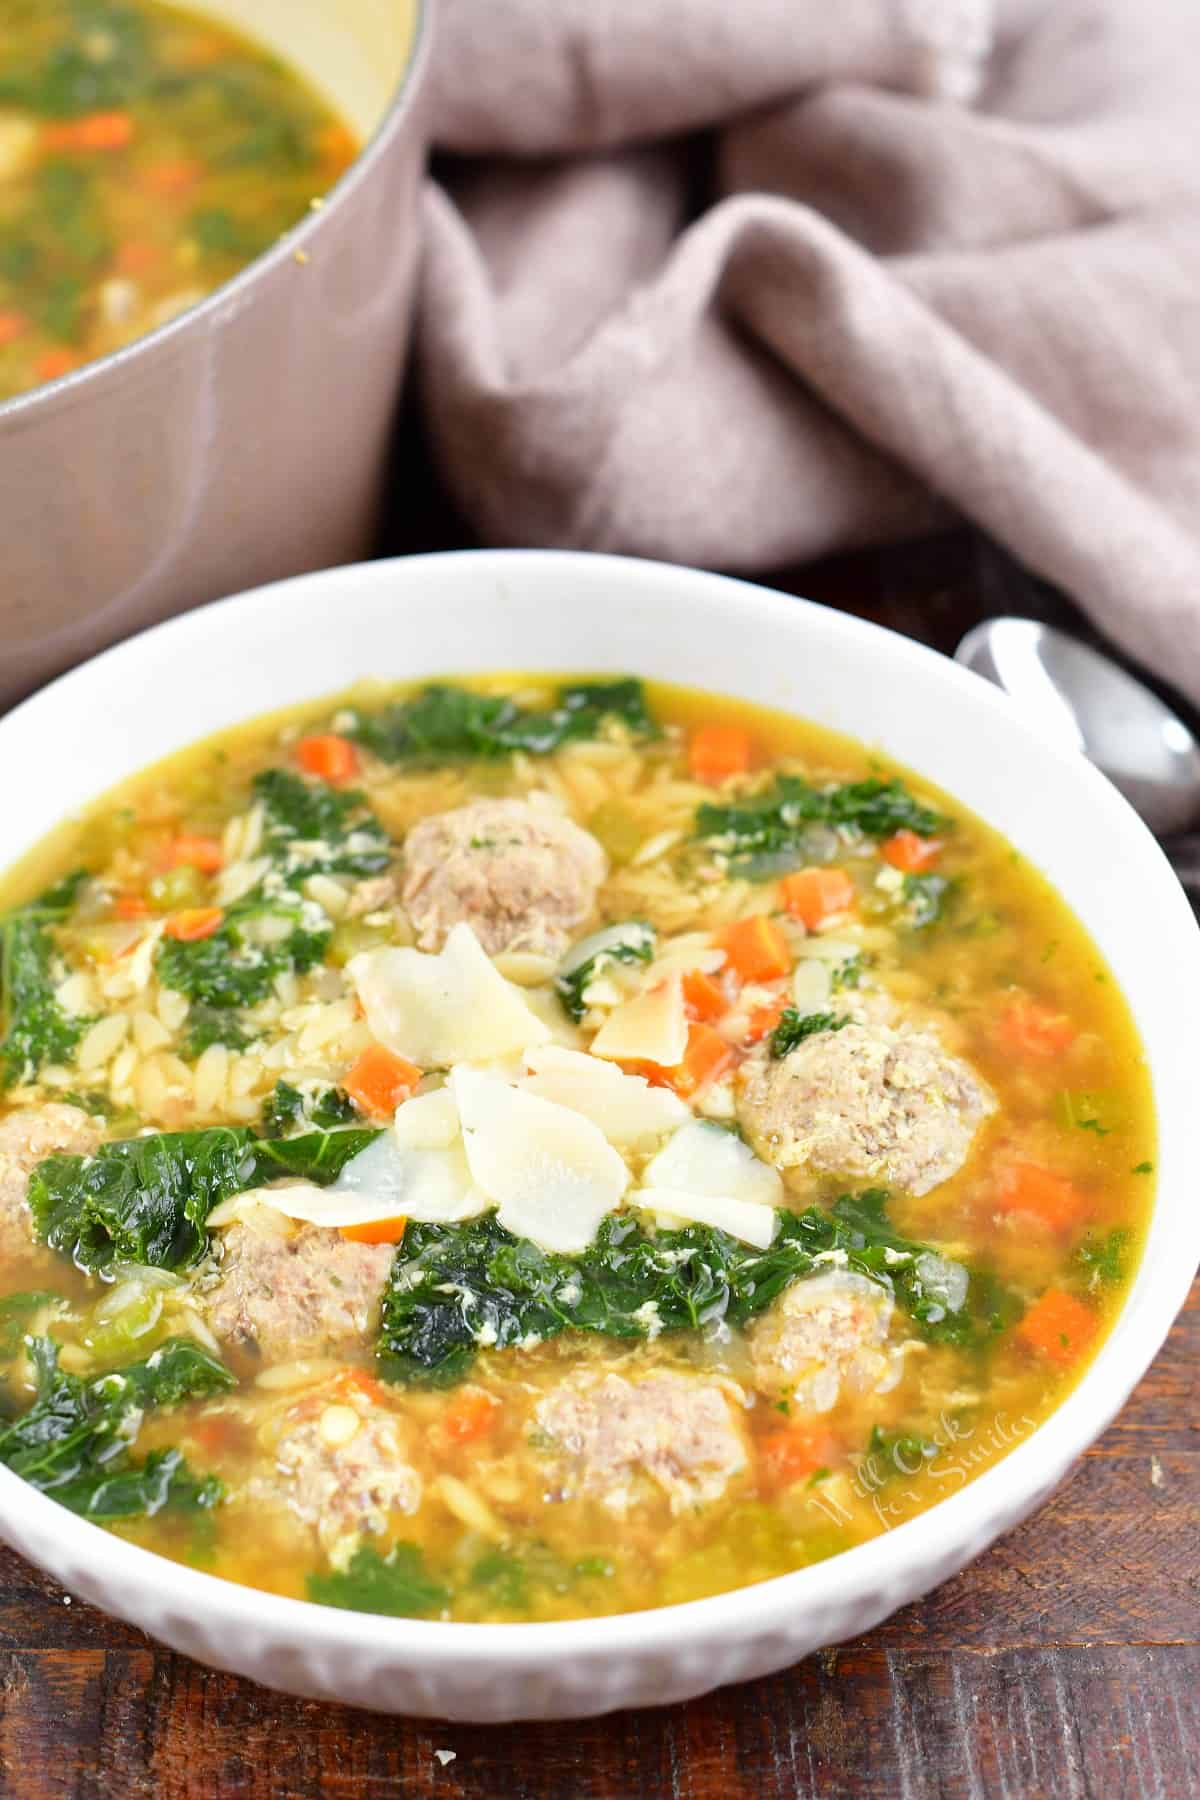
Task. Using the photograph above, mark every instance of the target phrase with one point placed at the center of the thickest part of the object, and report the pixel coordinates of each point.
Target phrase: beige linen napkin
(740, 282)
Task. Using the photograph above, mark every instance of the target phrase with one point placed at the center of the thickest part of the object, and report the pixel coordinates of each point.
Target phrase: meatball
(342, 1468)
(822, 1335)
(869, 1102)
(26, 1138)
(678, 1431)
(521, 876)
(311, 1293)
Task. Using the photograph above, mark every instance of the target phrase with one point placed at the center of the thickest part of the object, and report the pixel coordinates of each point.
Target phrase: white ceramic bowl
(548, 610)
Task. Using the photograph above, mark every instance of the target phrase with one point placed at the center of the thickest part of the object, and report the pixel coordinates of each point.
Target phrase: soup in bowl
(490, 1153)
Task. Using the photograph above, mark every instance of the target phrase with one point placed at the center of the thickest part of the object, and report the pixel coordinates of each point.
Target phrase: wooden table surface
(1065, 1662)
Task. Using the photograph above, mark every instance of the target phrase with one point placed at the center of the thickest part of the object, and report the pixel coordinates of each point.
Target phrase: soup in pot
(146, 156)
(535, 1148)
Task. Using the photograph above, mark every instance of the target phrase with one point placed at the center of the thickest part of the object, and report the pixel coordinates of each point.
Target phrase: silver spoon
(1085, 700)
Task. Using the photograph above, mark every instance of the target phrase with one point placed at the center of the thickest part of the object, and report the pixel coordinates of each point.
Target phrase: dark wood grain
(1065, 1662)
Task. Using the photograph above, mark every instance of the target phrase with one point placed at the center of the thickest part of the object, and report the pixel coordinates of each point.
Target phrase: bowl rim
(964, 1519)
(404, 96)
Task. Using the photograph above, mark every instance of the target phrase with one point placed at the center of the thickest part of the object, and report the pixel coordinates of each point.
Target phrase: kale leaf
(397, 1584)
(1103, 1259)
(794, 1026)
(901, 1453)
(451, 721)
(630, 942)
(455, 1288)
(949, 1303)
(37, 1030)
(926, 899)
(288, 1108)
(312, 828)
(73, 1443)
(147, 1199)
(768, 833)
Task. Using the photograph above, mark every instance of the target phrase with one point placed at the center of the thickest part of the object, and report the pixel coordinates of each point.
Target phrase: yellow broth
(1052, 1199)
(146, 155)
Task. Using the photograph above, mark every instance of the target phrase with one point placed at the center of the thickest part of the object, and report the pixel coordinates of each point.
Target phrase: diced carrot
(380, 1080)
(95, 131)
(764, 1019)
(1058, 1325)
(469, 1415)
(52, 365)
(203, 853)
(1032, 1029)
(194, 923)
(12, 326)
(1026, 1187)
(172, 176)
(905, 850)
(702, 997)
(131, 906)
(706, 1059)
(332, 758)
(379, 1231)
(337, 144)
(756, 948)
(794, 1453)
(716, 752)
(354, 1384)
(135, 256)
(814, 895)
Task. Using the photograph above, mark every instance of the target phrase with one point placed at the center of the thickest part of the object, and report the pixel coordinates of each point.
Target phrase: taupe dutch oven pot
(247, 439)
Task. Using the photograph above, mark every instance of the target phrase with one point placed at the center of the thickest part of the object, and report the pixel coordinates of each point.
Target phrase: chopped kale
(512, 1578)
(288, 1109)
(74, 1441)
(455, 1288)
(312, 828)
(630, 942)
(926, 898)
(848, 974)
(97, 1106)
(446, 721)
(795, 1026)
(892, 1453)
(1103, 1259)
(147, 1199)
(397, 1584)
(773, 831)
(37, 1030)
(208, 1025)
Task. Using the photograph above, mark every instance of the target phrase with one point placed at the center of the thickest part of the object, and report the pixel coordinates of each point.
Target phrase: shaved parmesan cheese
(443, 1009)
(652, 1027)
(812, 985)
(740, 1218)
(389, 1178)
(550, 1170)
(428, 1121)
(691, 950)
(626, 1108)
(704, 1160)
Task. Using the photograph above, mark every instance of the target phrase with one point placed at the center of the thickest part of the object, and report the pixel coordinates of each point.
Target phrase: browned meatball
(521, 876)
(341, 1466)
(312, 1293)
(869, 1102)
(822, 1335)
(25, 1139)
(618, 1439)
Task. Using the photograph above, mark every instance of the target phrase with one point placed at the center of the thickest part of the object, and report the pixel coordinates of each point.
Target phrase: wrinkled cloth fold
(741, 282)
